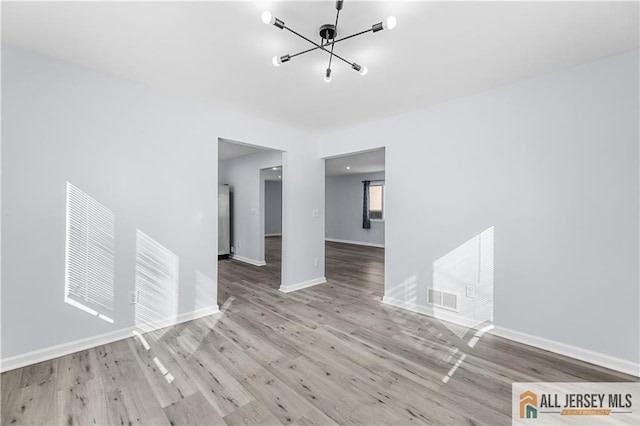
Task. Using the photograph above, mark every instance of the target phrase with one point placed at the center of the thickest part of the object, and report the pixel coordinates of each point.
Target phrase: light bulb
(276, 61)
(364, 70)
(267, 17)
(390, 23)
(327, 76)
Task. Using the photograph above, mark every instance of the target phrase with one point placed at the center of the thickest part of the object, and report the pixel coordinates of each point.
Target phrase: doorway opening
(355, 207)
(271, 181)
(250, 206)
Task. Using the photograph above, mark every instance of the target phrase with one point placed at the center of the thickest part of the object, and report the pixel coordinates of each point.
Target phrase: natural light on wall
(89, 255)
(206, 297)
(407, 290)
(156, 284)
(462, 289)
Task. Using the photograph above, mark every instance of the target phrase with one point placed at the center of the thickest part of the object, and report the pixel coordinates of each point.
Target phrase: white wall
(552, 163)
(343, 204)
(272, 207)
(246, 183)
(148, 157)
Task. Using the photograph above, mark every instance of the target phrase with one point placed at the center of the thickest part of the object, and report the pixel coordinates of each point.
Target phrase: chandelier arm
(352, 35)
(327, 44)
(304, 51)
(316, 44)
(333, 43)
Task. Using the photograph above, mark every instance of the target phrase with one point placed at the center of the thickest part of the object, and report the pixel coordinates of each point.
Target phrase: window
(376, 201)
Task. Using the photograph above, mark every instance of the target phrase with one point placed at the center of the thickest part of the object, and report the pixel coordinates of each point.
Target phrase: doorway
(355, 194)
(271, 181)
(246, 171)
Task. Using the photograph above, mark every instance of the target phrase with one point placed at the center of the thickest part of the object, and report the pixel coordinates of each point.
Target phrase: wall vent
(434, 297)
(442, 299)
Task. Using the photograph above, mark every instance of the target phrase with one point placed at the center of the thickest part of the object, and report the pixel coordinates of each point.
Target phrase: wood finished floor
(330, 354)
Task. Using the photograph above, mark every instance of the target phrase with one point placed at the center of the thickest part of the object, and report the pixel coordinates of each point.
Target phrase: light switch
(315, 213)
(254, 212)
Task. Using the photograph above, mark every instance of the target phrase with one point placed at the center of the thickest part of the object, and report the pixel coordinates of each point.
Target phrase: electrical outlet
(134, 297)
(471, 291)
(233, 249)
(315, 213)
(316, 262)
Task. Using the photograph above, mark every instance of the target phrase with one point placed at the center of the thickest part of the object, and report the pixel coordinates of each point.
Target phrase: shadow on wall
(157, 284)
(461, 299)
(89, 255)
(463, 283)
(205, 292)
(462, 288)
(464, 279)
(89, 283)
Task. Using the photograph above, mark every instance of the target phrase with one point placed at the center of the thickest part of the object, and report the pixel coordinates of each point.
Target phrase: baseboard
(168, 322)
(249, 261)
(304, 284)
(413, 307)
(273, 235)
(570, 351)
(442, 314)
(357, 243)
(52, 352)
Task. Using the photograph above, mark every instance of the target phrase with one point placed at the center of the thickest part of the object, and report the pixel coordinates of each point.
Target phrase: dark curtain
(366, 220)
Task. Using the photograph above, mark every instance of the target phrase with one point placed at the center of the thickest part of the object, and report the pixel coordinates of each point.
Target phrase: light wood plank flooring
(330, 354)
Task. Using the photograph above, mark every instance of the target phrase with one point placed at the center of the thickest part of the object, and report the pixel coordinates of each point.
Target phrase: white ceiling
(229, 149)
(366, 162)
(270, 174)
(220, 52)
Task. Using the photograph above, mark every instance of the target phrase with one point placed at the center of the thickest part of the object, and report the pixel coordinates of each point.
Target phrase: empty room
(320, 213)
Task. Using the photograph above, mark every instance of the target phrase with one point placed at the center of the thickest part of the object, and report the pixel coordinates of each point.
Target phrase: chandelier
(328, 34)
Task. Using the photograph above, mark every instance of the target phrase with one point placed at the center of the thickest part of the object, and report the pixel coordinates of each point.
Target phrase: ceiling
(220, 52)
(366, 162)
(271, 174)
(228, 149)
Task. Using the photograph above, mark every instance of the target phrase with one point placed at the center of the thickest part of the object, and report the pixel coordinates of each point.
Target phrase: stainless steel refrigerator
(224, 221)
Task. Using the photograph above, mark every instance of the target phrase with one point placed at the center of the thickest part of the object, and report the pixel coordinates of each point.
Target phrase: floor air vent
(442, 299)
